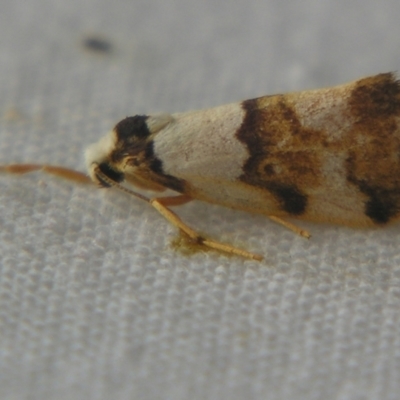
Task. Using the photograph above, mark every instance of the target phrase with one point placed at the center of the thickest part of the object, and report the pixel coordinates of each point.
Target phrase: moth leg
(60, 172)
(158, 204)
(290, 226)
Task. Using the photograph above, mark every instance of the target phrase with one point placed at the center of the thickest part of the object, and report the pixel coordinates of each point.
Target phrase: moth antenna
(60, 172)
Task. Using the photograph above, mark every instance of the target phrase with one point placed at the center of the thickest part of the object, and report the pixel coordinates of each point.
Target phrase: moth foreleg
(170, 201)
(160, 205)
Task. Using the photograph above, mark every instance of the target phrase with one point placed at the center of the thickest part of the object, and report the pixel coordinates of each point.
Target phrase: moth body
(327, 155)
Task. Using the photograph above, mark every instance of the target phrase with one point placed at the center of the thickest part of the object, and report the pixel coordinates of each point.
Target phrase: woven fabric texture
(94, 302)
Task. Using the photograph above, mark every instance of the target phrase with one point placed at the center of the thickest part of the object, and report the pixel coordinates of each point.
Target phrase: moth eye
(132, 127)
(111, 173)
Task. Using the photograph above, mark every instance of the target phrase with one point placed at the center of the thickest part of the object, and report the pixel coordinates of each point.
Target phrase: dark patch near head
(173, 183)
(137, 149)
(376, 97)
(282, 158)
(149, 150)
(155, 164)
(97, 44)
(111, 173)
(291, 199)
(132, 127)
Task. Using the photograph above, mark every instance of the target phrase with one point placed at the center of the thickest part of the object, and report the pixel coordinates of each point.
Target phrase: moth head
(121, 154)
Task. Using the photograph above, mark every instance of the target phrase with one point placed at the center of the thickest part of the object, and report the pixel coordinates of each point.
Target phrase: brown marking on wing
(373, 162)
(283, 158)
(302, 141)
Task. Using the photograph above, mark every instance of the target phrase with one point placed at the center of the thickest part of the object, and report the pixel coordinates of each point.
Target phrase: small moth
(327, 155)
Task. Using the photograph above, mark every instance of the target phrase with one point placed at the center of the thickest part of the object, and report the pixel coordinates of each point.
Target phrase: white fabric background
(94, 304)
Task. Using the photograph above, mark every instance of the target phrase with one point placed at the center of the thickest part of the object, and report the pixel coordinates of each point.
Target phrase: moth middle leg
(292, 227)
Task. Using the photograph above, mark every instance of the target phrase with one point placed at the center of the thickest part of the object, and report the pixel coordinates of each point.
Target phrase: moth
(329, 155)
